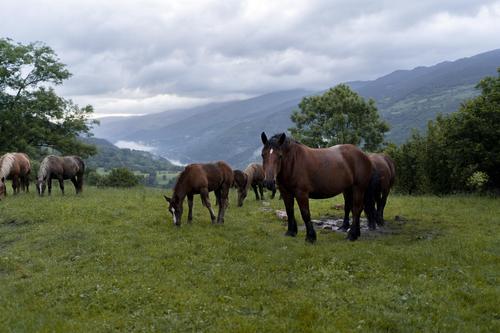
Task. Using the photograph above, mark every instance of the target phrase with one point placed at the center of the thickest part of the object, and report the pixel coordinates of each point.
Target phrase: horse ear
(263, 137)
(282, 139)
(168, 199)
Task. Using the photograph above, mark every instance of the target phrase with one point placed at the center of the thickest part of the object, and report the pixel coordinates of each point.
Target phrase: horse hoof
(352, 236)
(291, 233)
(311, 240)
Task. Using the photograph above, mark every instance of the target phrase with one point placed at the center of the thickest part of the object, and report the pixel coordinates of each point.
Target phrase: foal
(201, 179)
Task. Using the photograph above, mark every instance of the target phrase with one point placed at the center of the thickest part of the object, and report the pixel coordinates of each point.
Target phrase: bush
(477, 181)
(120, 177)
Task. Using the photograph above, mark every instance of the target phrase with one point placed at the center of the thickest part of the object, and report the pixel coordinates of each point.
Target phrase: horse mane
(44, 166)
(6, 163)
(273, 141)
(179, 181)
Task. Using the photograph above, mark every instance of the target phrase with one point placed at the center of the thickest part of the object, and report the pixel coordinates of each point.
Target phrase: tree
(32, 115)
(338, 116)
(459, 152)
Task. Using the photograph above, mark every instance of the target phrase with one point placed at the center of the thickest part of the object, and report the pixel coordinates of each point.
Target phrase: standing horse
(386, 173)
(201, 179)
(15, 166)
(252, 176)
(304, 173)
(60, 168)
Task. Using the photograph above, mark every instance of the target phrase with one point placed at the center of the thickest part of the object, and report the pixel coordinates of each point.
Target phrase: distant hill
(109, 157)
(231, 131)
(408, 99)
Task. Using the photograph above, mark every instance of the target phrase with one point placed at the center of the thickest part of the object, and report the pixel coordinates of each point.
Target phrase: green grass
(112, 260)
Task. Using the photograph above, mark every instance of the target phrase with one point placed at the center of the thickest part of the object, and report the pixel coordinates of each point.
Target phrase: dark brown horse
(252, 176)
(201, 179)
(304, 173)
(386, 174)
(60, 168)
(15, 166)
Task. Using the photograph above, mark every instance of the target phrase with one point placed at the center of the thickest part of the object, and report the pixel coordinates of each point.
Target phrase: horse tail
(371, 193)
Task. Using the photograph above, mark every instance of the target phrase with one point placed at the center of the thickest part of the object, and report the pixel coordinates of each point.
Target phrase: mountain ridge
(231, 130)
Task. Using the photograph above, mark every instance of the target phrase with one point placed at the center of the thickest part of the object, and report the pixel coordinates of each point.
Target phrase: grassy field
(112, 260)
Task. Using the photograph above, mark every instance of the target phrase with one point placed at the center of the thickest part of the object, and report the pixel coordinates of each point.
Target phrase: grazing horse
(201, 179)
(252, 176)
(304, 173)
(15, 166)
(386, 170)
(60, 168)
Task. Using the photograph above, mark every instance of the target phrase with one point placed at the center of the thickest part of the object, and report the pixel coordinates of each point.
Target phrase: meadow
(111, 260)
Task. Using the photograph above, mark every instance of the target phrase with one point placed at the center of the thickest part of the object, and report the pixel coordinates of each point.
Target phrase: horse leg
(206, 202)
(273, 193)
(61, 185)
(261, 190)
(80, 183)
(15, 184)
(303, 201)
(381, 207)
(357, 206)
(222, 197)
(347, 209)
(27, 183)
(49, 185)
(190, 206)
(75, 183)
(255, 191)
(292, 224)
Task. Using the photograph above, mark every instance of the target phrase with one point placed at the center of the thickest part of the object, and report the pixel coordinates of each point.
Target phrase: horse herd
(299, 172)
(17, 167)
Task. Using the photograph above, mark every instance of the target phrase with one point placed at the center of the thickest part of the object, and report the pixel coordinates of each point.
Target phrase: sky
(139, 57)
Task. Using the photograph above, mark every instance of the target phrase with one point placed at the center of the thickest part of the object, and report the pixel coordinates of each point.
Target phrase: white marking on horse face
(40, 187)
(173, 215)
(271, 151)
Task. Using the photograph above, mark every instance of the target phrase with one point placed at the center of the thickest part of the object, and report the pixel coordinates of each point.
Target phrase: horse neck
(179, 191)
(288, 159)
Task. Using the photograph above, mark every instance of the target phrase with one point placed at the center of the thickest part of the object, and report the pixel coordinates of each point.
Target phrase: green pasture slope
(112, 260)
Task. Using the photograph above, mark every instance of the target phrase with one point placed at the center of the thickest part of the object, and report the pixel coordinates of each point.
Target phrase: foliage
(120, 177)
(457, 148)
(111, 260)
(338, 116)
(32, 115)
(477, 181)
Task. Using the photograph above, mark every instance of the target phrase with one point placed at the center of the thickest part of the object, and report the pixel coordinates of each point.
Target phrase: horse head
(41, 184)
(175, 208)
(272, 154)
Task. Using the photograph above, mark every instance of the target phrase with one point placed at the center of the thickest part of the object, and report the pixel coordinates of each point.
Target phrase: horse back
(326, 172)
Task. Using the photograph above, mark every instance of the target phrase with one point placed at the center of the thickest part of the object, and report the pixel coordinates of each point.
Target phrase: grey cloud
(212, 50)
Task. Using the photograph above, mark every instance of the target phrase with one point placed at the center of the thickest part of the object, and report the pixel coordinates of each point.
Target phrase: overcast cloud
(136, 57)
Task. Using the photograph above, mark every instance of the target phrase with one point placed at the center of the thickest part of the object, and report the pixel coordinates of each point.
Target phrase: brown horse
(252, 176)
(386, 173)
(304, 173)
(201, 179)
(15, 166)
(60, 168)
